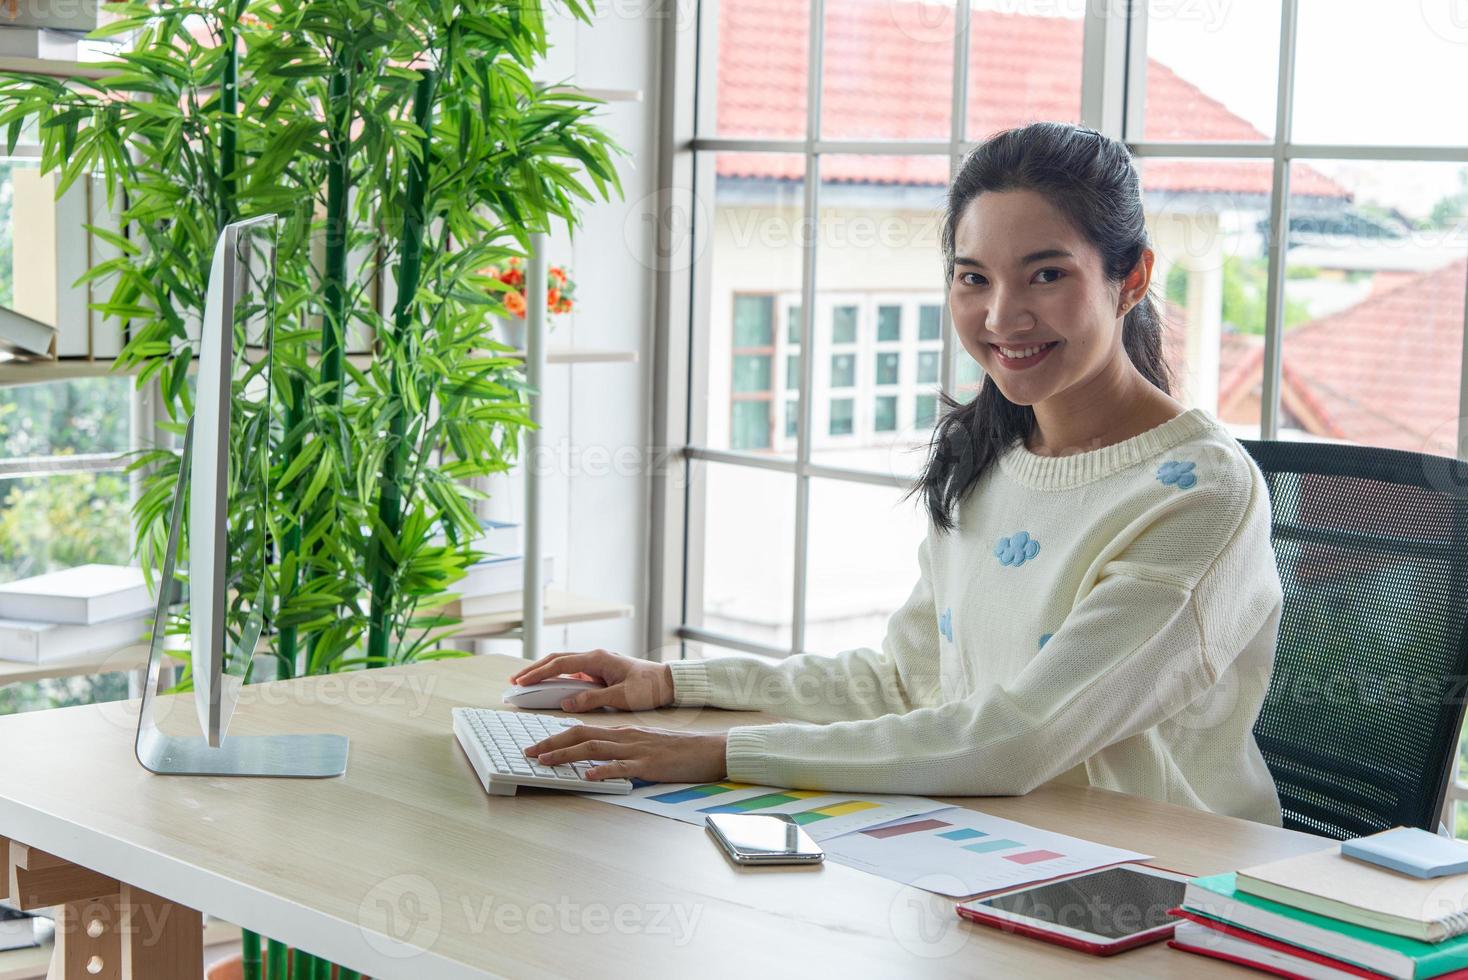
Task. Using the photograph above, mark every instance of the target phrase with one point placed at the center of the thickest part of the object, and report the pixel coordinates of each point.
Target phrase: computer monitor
(225, 472)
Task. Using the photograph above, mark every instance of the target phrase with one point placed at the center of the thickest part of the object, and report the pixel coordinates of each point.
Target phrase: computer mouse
(546, 694)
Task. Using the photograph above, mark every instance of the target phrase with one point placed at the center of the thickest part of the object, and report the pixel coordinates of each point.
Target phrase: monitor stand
(309, 756)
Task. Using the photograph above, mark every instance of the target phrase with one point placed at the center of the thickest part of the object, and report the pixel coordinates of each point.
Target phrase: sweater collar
(1077, 469)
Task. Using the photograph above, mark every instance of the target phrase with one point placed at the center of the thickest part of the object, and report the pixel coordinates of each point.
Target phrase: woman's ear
(1134, 287)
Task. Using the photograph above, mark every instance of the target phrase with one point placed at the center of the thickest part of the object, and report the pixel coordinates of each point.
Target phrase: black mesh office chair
(1364, 708)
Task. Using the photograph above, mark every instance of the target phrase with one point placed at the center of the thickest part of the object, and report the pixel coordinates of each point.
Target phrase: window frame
(1112, 100)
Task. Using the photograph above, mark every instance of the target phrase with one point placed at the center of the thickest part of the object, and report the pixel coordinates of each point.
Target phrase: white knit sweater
(1106, 618)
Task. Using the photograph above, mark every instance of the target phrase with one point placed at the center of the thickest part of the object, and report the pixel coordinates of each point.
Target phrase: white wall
(595, 416)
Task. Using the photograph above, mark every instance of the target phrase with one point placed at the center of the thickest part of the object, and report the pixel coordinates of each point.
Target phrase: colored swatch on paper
(1032, 857)
(764, 802)
(963, 833)
(984, 847)
(912, 827)
(834, 810)
(696, 792)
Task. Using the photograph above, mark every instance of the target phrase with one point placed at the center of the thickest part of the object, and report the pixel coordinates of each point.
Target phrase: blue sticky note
(1411, 851)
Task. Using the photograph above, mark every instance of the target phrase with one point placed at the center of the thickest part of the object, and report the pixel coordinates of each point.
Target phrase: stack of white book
(64, 615)
(495, 584)
(17, 929)
(38, 42)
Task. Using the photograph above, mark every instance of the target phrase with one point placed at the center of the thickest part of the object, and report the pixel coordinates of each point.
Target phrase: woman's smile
(1020, 358)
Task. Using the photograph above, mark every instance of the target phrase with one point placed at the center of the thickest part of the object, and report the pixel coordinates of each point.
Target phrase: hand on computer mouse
(631, 684)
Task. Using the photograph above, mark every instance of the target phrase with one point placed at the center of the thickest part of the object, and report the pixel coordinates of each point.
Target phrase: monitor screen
(235, 427)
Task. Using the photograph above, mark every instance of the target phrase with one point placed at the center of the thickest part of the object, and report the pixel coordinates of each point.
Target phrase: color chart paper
(823, 815)
(960, 852)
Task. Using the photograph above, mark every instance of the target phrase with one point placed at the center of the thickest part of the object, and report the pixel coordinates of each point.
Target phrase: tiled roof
(892, 81)
(1384, 372)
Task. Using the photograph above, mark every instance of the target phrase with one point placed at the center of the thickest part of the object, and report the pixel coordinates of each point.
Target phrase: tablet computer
(1100, 912)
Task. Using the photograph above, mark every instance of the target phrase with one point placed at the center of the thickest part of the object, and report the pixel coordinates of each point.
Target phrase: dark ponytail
(1089, 179)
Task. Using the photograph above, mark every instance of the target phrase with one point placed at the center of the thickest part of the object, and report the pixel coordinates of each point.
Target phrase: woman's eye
(1058, 273)
(969, 277)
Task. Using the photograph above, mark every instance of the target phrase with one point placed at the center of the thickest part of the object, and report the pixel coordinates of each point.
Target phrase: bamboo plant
(406, 148)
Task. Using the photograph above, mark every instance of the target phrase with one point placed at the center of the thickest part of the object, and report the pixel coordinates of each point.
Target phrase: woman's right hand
(631, 684)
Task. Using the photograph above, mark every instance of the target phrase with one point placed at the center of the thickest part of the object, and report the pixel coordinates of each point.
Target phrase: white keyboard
(495, 743)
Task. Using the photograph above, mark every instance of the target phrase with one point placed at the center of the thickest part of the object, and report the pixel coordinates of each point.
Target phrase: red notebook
(1280, 966)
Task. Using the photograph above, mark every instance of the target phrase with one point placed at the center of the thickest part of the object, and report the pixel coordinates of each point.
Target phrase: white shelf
(35, 372)
(52, 66)
(605, 94)
(560, 608)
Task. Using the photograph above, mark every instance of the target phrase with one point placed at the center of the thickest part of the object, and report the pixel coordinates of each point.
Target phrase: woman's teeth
(1019, 353)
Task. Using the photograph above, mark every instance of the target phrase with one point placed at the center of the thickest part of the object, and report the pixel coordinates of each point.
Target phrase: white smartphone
(763, 838)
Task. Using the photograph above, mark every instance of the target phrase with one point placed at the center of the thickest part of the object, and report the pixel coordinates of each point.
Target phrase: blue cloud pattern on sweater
(1016, 549)
(945, 624)
(1177, 472)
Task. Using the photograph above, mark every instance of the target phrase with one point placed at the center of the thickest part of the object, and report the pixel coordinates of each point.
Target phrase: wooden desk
(404, 867)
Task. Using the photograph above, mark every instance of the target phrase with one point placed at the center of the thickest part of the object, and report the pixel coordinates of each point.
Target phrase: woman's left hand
(645, 753)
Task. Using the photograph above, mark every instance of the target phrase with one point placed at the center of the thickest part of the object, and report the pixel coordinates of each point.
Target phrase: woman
(1098, 600)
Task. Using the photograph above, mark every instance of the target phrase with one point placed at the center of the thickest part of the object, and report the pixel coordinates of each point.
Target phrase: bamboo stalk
(250, 954)
(389, 500)
(228, 110)
(276, 960)
(303, 966)
(333, 325)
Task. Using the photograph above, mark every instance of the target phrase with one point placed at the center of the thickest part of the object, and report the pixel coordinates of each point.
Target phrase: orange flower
(559, 275)
(552, 296)
(514, 277)
(515, 303)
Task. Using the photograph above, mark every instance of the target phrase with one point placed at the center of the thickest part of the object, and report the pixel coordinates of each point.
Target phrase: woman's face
(1029, 299)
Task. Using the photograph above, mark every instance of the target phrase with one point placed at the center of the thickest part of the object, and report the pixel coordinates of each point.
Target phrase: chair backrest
(1361, 723)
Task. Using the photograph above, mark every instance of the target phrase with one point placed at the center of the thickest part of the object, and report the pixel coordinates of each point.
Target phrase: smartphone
(764, 838)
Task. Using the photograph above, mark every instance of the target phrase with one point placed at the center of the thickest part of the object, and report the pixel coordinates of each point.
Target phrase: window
(889, 323)
(930, 322)
(1374, 220)
(925, 411)
(886, 413)
(887, 367)
(927, 367)
(843, 416)
(843, 325)
(750, 410)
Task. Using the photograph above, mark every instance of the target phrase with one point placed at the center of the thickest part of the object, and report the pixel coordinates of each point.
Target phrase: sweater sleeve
(853, 684)
(1164, 613)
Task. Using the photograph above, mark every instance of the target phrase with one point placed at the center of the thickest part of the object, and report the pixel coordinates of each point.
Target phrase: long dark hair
(1090, 179)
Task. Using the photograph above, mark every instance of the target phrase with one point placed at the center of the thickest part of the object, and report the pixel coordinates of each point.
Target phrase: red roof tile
(888, 80)
(1384, 372)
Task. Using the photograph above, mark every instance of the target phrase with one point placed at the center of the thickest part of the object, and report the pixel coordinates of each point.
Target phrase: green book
(1216, 897)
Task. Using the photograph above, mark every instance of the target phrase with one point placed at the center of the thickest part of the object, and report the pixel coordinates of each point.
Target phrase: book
(79, 15)
(499, 575)
(1216, 897)
(1327, 883)
(17, 929)
(500, 539)
(1411, 851)
(1280, 959)
(480, 605)
(23, 335)
(83, 595)
(41, 643)
(37, 42)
